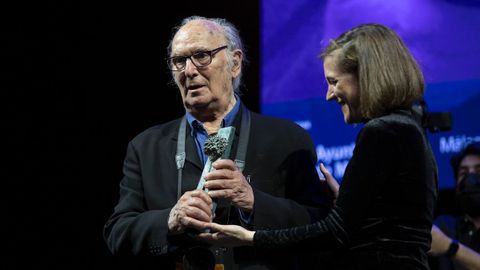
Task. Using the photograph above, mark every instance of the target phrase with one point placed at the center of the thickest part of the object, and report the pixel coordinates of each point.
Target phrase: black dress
(384, 211)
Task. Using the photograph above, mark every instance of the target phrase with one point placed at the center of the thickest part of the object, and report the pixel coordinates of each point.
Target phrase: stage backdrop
(443, 35)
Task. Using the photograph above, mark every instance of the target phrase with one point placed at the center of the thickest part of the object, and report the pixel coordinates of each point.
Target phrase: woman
(384, 210)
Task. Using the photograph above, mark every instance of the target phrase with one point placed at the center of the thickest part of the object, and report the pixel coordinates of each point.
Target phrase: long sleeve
(326, 233)
(132, 228)
(360, 184)
(287, 189)
(385, 200)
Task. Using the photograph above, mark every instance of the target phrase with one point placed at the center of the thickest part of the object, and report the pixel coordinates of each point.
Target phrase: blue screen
(443, 36)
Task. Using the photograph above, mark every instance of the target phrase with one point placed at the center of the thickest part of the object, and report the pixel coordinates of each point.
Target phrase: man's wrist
(452, 249)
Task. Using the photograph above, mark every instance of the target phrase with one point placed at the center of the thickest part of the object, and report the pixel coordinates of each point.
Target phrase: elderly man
(273, 182)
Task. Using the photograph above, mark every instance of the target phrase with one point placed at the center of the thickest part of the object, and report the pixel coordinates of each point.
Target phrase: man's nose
(190, 68)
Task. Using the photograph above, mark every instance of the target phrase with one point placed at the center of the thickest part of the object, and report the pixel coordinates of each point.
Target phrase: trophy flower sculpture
(217, 146)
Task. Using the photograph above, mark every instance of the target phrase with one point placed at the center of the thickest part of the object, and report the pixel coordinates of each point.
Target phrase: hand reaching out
(227, 235)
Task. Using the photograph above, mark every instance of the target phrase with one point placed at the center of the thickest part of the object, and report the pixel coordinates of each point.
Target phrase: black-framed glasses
(199, 59)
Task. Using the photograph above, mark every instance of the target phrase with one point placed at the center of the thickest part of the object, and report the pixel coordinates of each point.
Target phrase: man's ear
(237, 62)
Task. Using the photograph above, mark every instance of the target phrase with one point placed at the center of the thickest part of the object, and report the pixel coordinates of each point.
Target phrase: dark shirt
(384, 211)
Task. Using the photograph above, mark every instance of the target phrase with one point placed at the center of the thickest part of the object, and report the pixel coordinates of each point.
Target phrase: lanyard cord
(241, 149)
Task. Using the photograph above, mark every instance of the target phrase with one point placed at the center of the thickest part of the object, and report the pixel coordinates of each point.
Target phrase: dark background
(80, 79)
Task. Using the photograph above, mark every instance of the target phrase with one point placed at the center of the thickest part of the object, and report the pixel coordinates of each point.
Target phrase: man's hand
(192, 210)
(227, 182)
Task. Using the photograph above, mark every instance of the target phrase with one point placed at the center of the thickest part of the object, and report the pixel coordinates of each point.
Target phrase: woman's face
(343, 88)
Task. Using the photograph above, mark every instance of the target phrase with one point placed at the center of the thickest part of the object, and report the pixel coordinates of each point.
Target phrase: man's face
(469, 164)
(206, 88)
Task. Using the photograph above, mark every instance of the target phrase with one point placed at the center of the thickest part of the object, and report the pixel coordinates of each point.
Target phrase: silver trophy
(217, 146)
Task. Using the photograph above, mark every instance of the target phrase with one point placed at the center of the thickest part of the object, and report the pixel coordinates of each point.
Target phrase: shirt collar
(226, 122)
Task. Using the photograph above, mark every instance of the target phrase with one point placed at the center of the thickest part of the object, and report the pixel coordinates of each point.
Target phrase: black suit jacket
(383, 214)
(280, 162)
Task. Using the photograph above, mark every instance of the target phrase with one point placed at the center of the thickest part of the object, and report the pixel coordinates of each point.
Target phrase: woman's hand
(331, 181)
(227, 235)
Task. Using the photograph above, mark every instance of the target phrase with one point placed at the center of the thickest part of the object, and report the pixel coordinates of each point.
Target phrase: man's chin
(197, 100)
(197, 104)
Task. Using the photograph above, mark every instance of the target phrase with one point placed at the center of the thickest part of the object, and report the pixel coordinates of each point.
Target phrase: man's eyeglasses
(199, 59)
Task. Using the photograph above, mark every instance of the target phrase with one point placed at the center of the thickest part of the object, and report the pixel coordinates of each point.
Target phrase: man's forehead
(209, 25)
(198, 32)
(470, 160)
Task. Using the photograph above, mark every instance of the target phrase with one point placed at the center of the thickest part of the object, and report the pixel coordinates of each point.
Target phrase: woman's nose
(330, 93)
